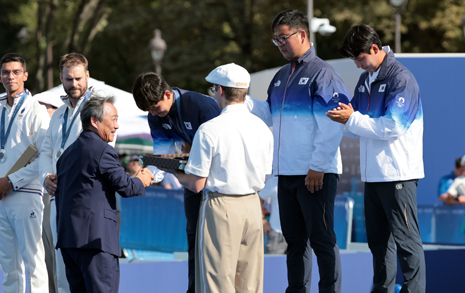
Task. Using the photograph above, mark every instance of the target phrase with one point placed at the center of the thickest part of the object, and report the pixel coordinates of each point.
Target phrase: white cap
(49, 98)
(230, 75)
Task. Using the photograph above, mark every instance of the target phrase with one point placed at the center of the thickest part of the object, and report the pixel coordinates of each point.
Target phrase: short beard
(81, 93)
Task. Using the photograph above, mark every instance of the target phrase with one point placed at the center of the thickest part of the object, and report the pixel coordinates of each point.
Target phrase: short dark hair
(149, 89)
(13, 57)
(73, 59)
(233, 94)
(458, 162)
(359, 40)
(293, 18)
(94, 107)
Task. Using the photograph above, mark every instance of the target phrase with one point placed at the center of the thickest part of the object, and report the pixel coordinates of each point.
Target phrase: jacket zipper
(366, 143)
(281, 113)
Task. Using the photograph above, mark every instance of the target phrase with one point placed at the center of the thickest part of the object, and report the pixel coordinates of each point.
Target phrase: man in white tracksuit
(23, 123)
(387, 115)
(65, 127)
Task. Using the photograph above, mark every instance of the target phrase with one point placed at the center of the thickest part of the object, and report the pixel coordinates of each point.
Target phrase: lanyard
(65, 120)
(4, 136)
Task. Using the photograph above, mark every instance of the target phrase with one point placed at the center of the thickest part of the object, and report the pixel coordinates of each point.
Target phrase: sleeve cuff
(15, 187)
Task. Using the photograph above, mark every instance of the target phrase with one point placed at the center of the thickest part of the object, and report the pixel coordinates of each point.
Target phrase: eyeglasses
(212, 90)
(282, 40)
(16, 72)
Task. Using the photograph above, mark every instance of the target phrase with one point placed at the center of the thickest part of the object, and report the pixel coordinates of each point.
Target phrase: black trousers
(91, 270)
(191, 208)
(392, 230)
(307, 221)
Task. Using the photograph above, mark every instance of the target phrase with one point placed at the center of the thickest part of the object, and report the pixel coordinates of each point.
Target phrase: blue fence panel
(427, 223)
(343, 211)
(449, 221)
(359, 233)
(155, 221)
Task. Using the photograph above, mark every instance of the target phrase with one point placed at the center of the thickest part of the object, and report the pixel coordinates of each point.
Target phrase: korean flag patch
(382, 88)
(304, 80)
(188, 125)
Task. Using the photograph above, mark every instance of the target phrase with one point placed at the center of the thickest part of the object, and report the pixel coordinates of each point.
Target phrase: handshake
(145, 176)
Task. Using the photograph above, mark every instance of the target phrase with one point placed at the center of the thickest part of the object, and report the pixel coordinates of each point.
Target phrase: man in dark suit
(89, 174)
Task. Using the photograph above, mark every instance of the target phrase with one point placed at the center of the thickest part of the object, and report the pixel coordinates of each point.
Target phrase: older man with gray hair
(88, 175)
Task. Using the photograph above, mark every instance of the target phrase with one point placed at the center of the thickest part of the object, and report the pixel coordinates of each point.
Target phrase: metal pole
(398, 41)
(310, 17)
(158, 67)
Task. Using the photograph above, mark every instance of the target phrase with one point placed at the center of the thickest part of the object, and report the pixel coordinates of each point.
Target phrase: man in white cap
(230, 157)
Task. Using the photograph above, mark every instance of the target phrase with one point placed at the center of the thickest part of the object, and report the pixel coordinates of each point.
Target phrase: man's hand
(50, 184)
(145, 176)
(341, 114)
(314, 180)
(5, 187)
(186, 148)
(461, 199)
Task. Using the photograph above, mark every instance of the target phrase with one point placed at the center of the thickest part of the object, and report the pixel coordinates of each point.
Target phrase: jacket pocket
(110, 214)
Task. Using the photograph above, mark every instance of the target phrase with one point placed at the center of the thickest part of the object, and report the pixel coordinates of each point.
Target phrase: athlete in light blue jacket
(306, 159)
(387, 115)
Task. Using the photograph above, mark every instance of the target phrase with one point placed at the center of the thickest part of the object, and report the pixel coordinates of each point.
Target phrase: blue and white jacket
(388, 118)
(299, 96)
(169, 130)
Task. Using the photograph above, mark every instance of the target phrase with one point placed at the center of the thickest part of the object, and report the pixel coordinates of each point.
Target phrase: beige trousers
(229, 244)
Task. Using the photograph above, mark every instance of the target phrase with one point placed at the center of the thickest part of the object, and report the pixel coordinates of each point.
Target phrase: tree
(201, 34)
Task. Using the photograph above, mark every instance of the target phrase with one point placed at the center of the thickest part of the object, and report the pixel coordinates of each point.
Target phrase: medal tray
(176, 162)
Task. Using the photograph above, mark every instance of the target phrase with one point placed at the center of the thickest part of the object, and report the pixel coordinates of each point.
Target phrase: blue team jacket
(195, 110)
(389, 121)
(299, 96)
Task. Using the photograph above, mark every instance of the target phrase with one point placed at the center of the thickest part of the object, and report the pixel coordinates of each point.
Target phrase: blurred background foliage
(200, 34)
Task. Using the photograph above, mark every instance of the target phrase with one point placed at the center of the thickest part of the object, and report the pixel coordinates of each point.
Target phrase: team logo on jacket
(21, 114)
(188, 125)
(278, 83)
(400, 102)
(166, 126)
(335, 97)
(382, 88)
(361, 89)
(304, 80)
(33, 215)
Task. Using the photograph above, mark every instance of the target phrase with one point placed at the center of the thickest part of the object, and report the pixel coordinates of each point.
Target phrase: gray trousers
(49, 245)
(392, 230)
